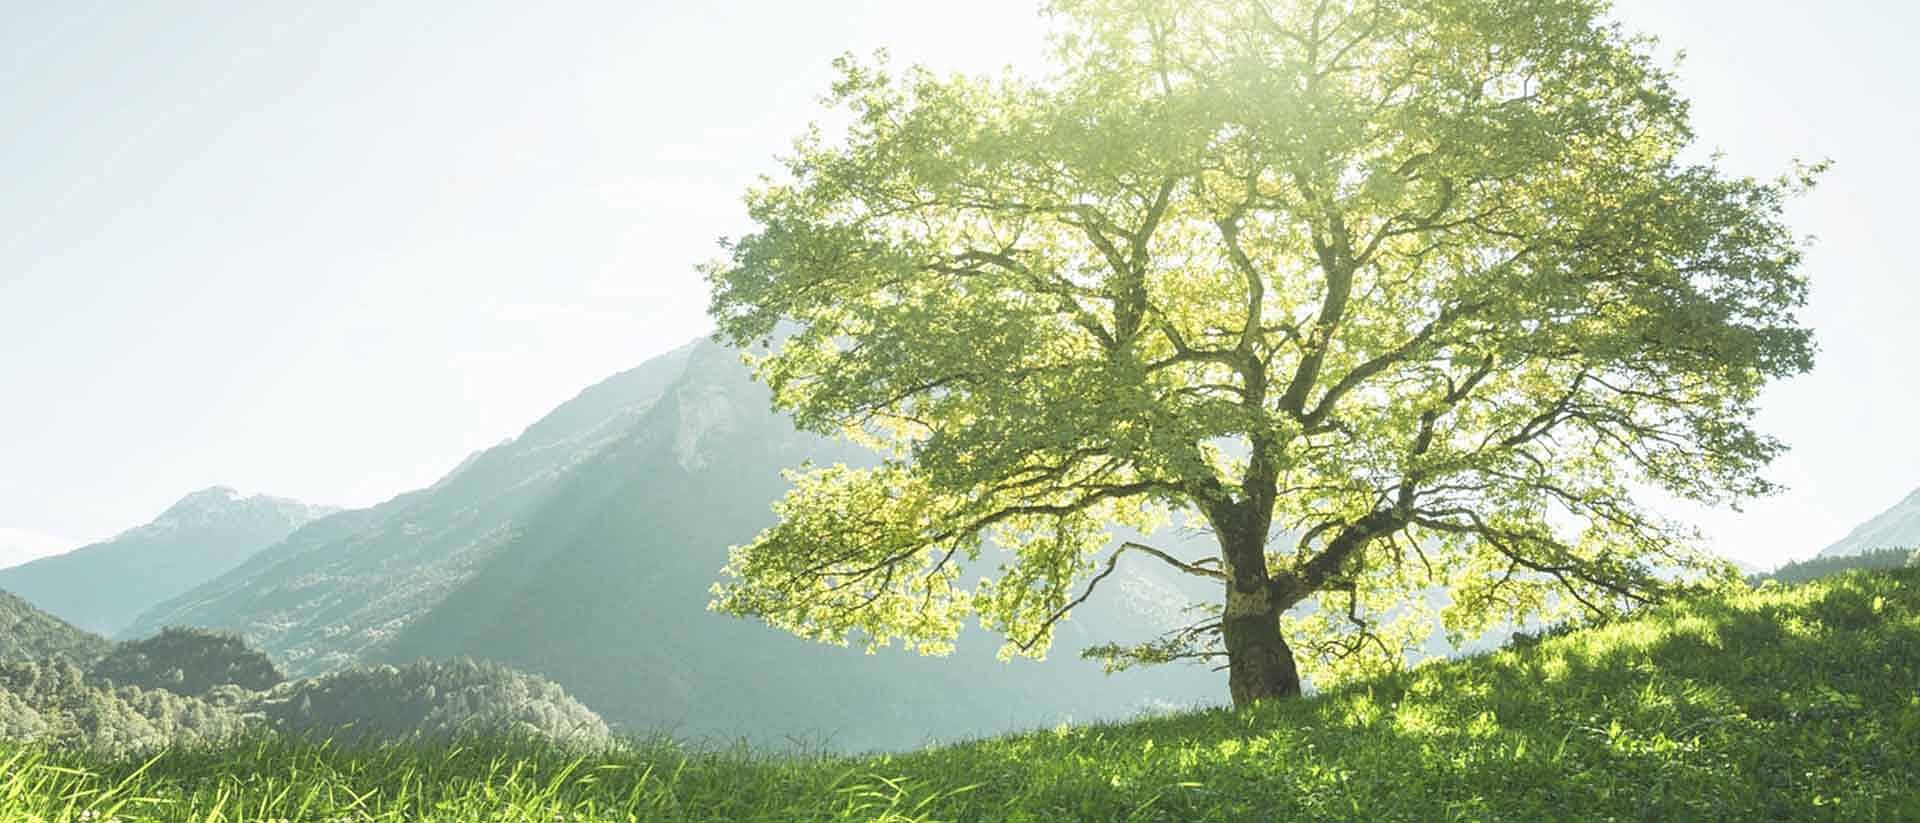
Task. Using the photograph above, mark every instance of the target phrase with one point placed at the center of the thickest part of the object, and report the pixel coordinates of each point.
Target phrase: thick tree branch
(1113, 560)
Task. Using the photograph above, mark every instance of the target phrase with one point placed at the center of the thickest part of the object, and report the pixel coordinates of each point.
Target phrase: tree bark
(1260, 664)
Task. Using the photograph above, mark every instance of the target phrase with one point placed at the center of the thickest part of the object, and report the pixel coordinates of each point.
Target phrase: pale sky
(325, 251)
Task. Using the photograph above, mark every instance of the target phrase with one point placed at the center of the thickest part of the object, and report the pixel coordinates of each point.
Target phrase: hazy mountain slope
(102, 587)
(19, 546)
(584, 551)
(1895, 528)
(28, 634)
(605, 591)
(345, 583)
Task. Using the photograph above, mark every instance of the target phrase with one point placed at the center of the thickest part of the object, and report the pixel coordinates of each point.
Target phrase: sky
(326, 251)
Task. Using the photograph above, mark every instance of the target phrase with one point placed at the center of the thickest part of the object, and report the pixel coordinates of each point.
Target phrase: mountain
(28, 634)
(584, 550)
(1895, 528)
(102, 587)
(331, 591)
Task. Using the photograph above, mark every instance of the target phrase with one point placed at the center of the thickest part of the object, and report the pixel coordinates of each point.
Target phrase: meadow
(1777, 703)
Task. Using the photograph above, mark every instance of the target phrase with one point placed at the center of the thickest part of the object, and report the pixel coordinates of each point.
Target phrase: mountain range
(1895, 528)
(103, 586)
(584, 550)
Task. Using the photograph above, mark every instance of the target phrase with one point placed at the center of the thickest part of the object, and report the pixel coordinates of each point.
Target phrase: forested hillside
(27, 633)
(189, 687)
(1815, 568)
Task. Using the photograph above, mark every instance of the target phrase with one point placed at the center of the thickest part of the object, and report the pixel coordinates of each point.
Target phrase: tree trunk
(1260, 664)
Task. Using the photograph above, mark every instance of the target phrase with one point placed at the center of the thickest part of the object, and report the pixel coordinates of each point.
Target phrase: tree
(431, 699)
(189, 662)
(1426, 284)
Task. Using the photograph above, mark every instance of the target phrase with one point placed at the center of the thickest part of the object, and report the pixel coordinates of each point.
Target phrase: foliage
(27, 633)
(1773, 704)
(54, 703)
(431, 699)
(1817, 567)
(170, 692)
(1426, 283)
(190, 662)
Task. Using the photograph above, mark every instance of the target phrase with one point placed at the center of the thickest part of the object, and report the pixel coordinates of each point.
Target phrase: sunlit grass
(1777, 704)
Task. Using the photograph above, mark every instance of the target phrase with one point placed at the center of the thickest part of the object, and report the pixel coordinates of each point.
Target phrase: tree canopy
(190, 662)
(1390, 294)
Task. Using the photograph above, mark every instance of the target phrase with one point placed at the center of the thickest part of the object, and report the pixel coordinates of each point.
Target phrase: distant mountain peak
(212, 496)
(1895, 528)
(220, 501)
(101, 587)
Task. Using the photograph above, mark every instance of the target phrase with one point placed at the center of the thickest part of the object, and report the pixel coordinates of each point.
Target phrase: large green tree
(1425, 287)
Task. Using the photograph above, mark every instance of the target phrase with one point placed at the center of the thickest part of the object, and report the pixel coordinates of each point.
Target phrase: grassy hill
(1781, 703)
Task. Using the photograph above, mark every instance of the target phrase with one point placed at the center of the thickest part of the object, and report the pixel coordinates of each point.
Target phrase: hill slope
(1895, 528)
(102, 587)
(605, 590)
(1774, 704)
(27, 633)
(331, 590)
(584, 550)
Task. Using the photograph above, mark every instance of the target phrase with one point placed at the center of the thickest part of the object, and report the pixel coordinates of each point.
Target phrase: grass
(1776, 704)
